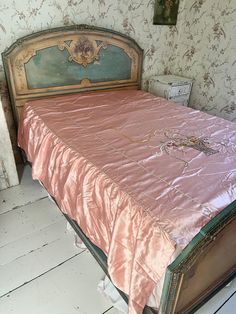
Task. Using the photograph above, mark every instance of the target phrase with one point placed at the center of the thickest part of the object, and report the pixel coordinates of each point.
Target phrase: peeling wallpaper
(202, 45)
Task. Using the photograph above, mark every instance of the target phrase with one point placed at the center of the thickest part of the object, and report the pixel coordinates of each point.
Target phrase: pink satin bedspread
(139, 174)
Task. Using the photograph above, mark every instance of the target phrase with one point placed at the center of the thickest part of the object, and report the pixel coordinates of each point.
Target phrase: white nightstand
(171, 87)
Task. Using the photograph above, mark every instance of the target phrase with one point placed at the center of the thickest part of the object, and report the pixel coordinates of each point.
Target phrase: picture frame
(165, 12)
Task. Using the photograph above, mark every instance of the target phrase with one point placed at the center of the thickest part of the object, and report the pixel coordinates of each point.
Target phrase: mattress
(139, 174)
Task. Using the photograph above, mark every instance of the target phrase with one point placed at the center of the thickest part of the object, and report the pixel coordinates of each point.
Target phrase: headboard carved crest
(83, 51)
(70, 60)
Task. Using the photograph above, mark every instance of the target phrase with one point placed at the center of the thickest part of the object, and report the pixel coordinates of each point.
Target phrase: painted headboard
(70, 60)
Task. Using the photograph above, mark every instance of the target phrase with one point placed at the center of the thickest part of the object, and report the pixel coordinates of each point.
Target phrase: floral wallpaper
(201, 46)
(205, 50)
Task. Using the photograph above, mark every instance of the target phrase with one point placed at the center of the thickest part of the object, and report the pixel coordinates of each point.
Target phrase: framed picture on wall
(166, 12)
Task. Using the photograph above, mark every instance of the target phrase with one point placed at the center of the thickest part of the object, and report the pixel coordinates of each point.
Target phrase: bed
(140, 179)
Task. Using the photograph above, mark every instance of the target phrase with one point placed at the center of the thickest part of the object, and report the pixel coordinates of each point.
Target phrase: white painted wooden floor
(42, 272)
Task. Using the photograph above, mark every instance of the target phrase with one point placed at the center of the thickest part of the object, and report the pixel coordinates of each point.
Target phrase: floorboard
(228, 307)
(31, 242)
(25, 193)
(27, 219)
(213, 304)
(68, 289)
(34, 264)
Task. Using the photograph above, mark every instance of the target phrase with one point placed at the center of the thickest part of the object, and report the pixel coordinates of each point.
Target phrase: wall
(205, 49)
(10, 121)
(8, 173)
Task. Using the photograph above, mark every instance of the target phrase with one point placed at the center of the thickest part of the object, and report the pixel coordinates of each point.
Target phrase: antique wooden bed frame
(84, 58)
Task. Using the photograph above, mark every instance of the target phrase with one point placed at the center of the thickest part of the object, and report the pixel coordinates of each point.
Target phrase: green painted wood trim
(79, 27)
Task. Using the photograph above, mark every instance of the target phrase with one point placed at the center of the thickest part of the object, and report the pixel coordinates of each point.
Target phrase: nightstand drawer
(179, 90)
(171, 87)
(182, 99)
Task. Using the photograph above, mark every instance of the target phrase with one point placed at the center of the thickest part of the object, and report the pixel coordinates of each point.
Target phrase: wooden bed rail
(204, 266)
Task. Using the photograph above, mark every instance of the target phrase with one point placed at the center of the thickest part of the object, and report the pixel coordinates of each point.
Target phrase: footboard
(204, 266)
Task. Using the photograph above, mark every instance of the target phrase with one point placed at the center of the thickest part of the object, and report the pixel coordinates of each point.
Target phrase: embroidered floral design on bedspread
(200, 144)
(175, 143)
